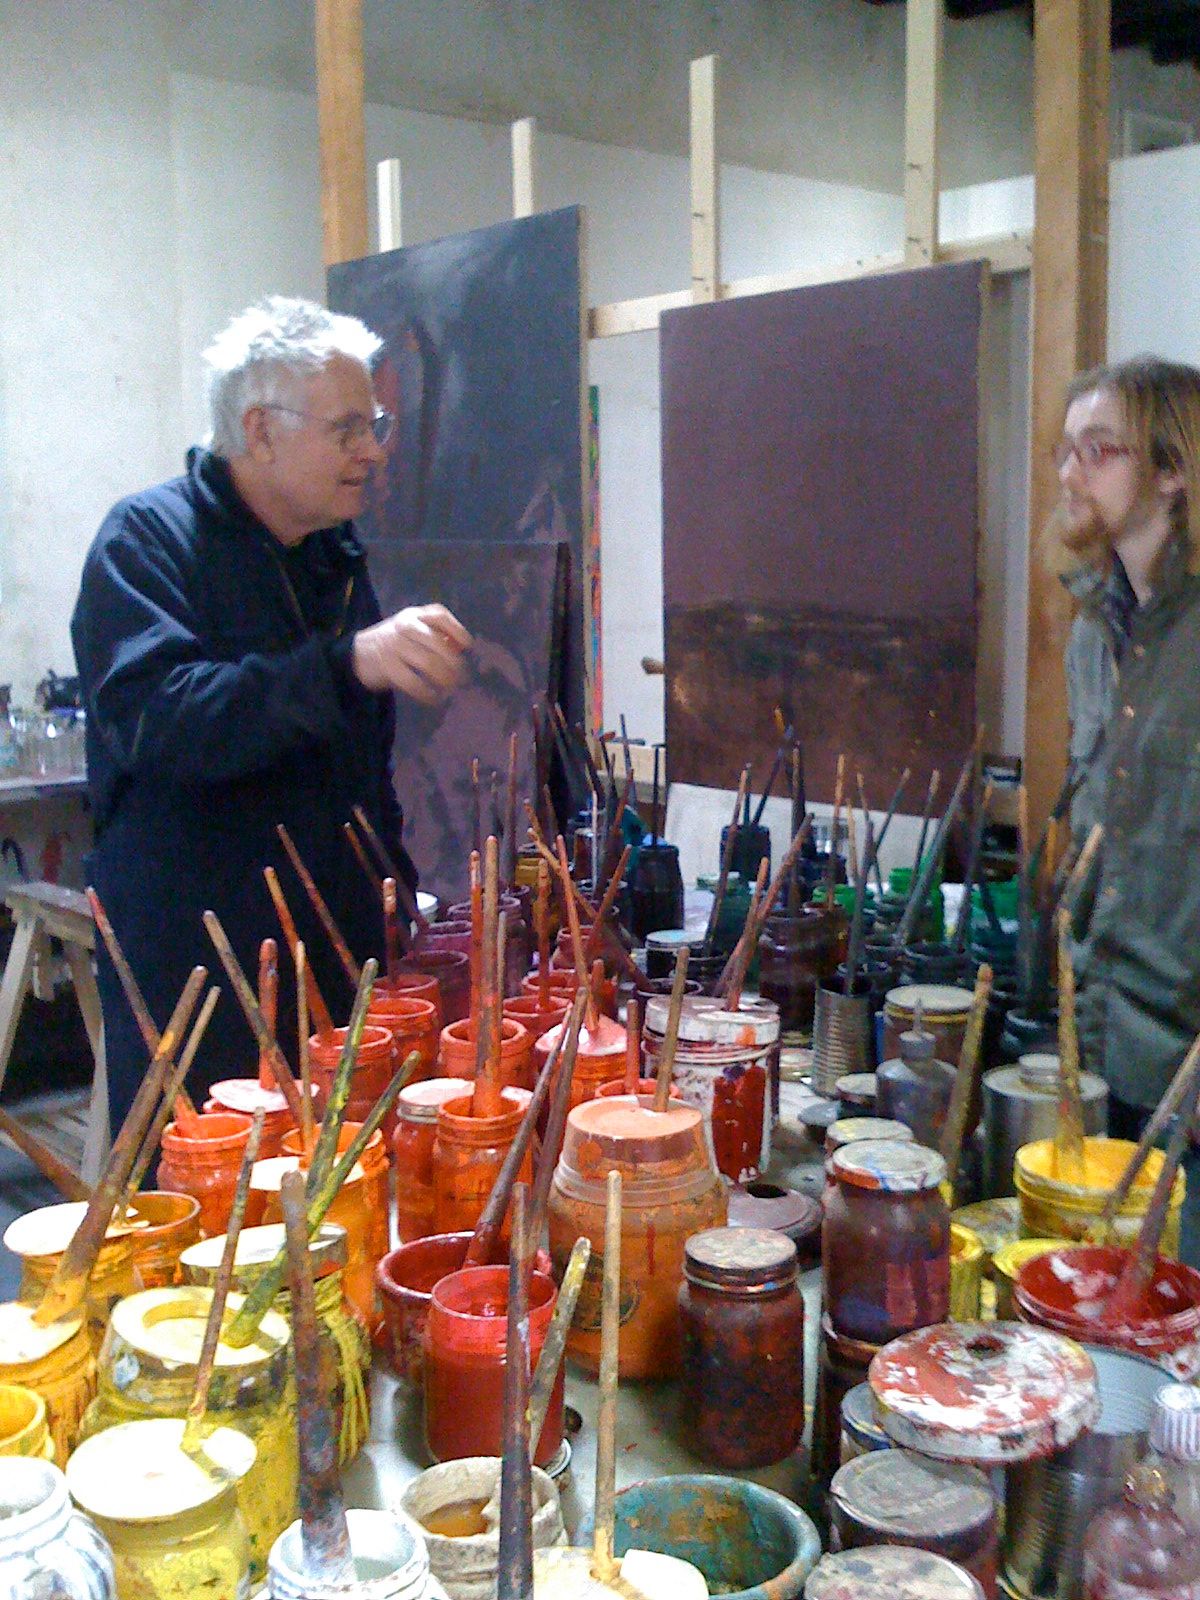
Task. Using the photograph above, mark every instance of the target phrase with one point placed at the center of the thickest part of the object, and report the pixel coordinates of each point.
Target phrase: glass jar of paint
(742, 1330)
(413, 986)
(40, 1237)
(205, 1162)
(414, 1025)
(457, 1050)
(467, 1155)
(599, 1058)
(47, 1548)
(794, 954)
(412, 1151)
(373, 1069)
(465, 1339)
(886, 1241)
(1140, 1547)
(452, 969)
(56, 1362)
(173, 1224)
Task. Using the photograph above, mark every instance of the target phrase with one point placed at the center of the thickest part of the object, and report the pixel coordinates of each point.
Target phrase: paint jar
(24, 1424)
(599, 1058)
(842, 1365)
(562, 971)
(517, 953)
(342, 1334)
(670, 1191)
(389, 1556)
(465, 1339)
(934, 961)
(373, 1070)
(915, 1088)
(897, 1497)
(412, 1151)
(843, 1034)
(452, 969)
(735, 906)
(205, 1163)
(1020, 1107)
(57, 1363)
(148, 1373)
(888, 1572)
(862, 1430)
(1007, 1262)
(725, 1065)
(1054, 1207)
(173, 1224)
(527, 1010)
(565, 1573)
(1139, 1547)
(41, 1236)
(1025, 1035)
(413, 1024)
(966, 1273)
(794, 955)
(403, 985)
(656, 889)
(468, 1152)
(945, 1012)
(47, 1548)
(742, 1338)
(174, 1529)
(857, 1094)
(245, 1096)
(886, 1241)
(662, 949)
(762, 1204)
(456, 1057)
(858, 1130)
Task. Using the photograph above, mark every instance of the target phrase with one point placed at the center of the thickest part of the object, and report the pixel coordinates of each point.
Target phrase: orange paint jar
(414, 1025)
(205, 1164)
(412, 1151)
(413, 986)
(607, 996)
(452, 972)
(599, 1058)
(457, 1056)
(670, 1190)
(527, 1010)
(467, 1155)
(173, 1224)
(244, 1096)
(373, 1071)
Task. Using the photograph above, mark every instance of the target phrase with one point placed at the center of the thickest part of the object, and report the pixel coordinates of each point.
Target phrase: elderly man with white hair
(237, 674)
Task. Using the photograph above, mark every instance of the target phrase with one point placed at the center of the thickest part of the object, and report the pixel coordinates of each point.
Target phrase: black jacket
(220, 701)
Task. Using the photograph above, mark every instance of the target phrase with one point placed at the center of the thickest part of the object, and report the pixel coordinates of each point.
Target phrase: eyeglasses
(351, 430)
(1090, 453)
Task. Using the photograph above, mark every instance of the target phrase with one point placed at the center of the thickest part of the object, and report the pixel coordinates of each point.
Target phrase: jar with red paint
(1141, 1548)
(413, 1023)
(468, 1152)
(742, 1332)
(465, 1340)
(886, 1241)
(412, 1149)
(373, 1070)
(452, 970)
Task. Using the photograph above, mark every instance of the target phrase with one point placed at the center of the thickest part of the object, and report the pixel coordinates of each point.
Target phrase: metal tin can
(1020, 1105)
(888, 1572)
(862, 1430)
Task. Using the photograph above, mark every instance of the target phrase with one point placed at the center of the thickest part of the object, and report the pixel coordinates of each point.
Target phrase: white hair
(257, 358)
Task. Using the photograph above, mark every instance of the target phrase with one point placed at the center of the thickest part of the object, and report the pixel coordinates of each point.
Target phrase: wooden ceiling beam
(342, 129)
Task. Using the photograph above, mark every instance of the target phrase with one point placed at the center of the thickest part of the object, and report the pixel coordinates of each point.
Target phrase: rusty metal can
(842, 1366)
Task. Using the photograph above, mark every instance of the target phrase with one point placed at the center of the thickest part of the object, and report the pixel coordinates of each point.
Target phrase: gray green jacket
(1135, 738)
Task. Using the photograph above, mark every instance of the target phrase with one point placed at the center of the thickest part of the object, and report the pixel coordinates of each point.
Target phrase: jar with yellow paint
(173, 1525)
(24, 1423)
(56, 1362)
(148, 1371)
(40, 1237)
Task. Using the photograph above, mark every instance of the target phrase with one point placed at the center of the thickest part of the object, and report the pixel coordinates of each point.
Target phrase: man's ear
(257, 427)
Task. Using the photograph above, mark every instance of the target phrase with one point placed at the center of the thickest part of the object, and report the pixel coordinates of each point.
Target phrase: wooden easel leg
(96, 1139)
(18, 970)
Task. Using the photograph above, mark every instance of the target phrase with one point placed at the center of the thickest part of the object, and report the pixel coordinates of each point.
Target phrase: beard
(1085, 533)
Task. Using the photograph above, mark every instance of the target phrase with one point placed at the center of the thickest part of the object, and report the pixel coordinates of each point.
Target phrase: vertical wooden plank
(342, 128)
(524, 159)
(706, 216)
(389, 194)
(1070, 325)
(592, 666)
(922, 102)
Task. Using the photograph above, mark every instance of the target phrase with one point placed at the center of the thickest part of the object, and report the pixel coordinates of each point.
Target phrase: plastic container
(465, 1338)
(517, 954)
(914, 1087)
(1175, 1448)
(205, 1164)
(412, 1151)
(374, 1068)
(1053, 1208)
(669, 1192)
(414, 1024)
(456, 1058)
(58, 1363)
(413, 986)
(245, 1096)
(389, 1556)
(527, 1010)
(1140, 1548)
(48, 1550)
(174, 1224)
(468, 1152)
(24, 1424)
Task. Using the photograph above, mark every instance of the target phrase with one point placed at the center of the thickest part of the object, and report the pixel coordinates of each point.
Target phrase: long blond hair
(1161, 404)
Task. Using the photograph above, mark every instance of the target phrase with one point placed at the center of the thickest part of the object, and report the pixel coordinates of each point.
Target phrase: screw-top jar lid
(1039, 1070)
(889, 1572)
(1175, 1422)
(856, 1086)
(707, 1020)
(740, 1258)
(889, 1166)
(890, 1493)
(137, 1472)
(938, 1000)
(419, 1102)
(850, 1130)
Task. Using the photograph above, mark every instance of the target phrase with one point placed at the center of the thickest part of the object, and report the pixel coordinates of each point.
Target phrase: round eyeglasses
(348, 430)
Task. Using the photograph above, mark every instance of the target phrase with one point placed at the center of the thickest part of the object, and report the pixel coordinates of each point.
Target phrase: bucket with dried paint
(843, 1034)
(1055, 1207)
(1007, 1262)
(47, 1548)
(389, 1556)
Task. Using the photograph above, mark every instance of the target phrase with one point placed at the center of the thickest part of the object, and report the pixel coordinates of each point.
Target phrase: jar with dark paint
(794, 955)
(742, 1327)
(886, 1241)
(842, 1365)
(656, 888)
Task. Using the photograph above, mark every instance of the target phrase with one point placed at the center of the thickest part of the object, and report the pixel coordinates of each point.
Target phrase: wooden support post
(342, 127)
(922, 98)
(706, 214)
(524, 159)
(387, 188)
(1070, 323)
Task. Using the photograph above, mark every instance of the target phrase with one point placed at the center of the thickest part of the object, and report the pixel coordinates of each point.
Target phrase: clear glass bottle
(1175, 1448)
(1139, 1548)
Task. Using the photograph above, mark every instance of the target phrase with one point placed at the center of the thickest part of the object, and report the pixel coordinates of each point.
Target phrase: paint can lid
(1175, 1422)
(860, 1422)
(706, 1020)
(740, 1258)
(856, 1086)
(419, 1102)
(889, 1572)
(137, 1472)
(889, 1494)
(986, 1392)
(850, 1130)
(889, 1166)
(937, 1000)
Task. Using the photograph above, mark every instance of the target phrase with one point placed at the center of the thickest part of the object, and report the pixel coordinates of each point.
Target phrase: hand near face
(419, 652)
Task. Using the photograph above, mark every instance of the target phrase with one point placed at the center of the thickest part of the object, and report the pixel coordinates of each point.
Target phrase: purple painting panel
(820, 521)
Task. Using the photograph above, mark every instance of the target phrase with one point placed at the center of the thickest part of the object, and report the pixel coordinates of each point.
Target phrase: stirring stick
(1082, 867)
(541, 922)
(307, 1128)
(52, 1166)
(510, 815)
(851, 842)
(486, 1101)
(564, 874)
(962, 921)
(604, 1565)
(316, 1003)
(475, 883)
(339, 1090)
(955, 1129)
(166, 1107)
(666, 1058)
(187, 1113)
(198, 1404)
(258, 1023)
(514, 1576)
(633, 1048)
(407, 898)
(935, 783)
(615, 949)
(831, 883)
(391, 928)
(731, 834)
(919, 890)
(363, 859)
(324, 1531)
(735, 969)
(560, 1104)
(268, 1000)
(476, 811)
(68, 1286)
(1068, 1139)
(550, 1359)
(606, 904)
(1187, 1073)
(351, 967)
(491, 1218)
(731, 980)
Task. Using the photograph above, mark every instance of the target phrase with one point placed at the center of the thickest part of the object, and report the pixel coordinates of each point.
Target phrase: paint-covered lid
(705, 1020)
(48, 1230)
(888, 1165)
(1032, 1079)
(898, 1494)
(247, 1095)
(997, 1222)
(985, 1392)
(739, 1258)
(22, 1341)
(605, 1038)
(938, 1000)
(859, 1421)
(625, 1128)
(257, 1248)
(167, 1326)
(419, 1102)
(136, 1472)
(856, 1086)
(851, 1130)
(889, 1572)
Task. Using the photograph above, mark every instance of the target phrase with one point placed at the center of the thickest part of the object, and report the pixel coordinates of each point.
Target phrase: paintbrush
(510, 815)
(616, 950)
(614, 838)
(390, 870)
(475, 893)
(666, 1055)
(572, 914)
(1068, 1138)
(267, 1042)
(605, 1566)
(560, 1104)
(307, 1130)
(391, 929)
(546, 1371)
(268, 1002)
(633, 1048)
(1186, 1076)
(334, 1114)
(919, 889)
(594, 938)
(476, 809)
(854, 947)
(68, 1286)
(799, 809)
(866, 811)
(324, 1530)
(962, 921)
(851, 842)
(1082, 868)
(186, 1112)
(322, 1020)
(541, 923)
(486, 1099)
(363, 859)
(831, 882)
(731, 836)
(655, 832)
(514, 1573)
(166, 1107)
(955, 1129)
(734, 975)
(491, 1219)
(897, 792)
(349, 965)
(193, 1431)
(734, 971)
(773, 776)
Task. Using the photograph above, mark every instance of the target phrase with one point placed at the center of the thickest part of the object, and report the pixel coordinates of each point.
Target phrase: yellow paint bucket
(40, 1236)
(966, 1273)
(1007, 1262)
(24, 1423)
(56, 1363)
(994, 1223)
(1054, 1208)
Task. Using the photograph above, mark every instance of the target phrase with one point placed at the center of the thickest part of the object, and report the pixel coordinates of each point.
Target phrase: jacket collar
(212, 482)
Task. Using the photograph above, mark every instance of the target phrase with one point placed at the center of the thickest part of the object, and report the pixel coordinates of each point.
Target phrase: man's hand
(418, 652)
